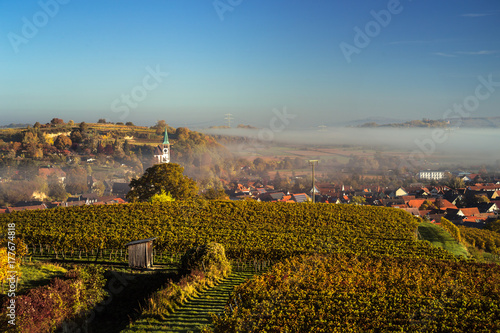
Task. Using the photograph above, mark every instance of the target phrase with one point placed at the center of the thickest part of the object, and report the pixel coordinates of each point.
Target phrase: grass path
(194, 314)
(441, 238)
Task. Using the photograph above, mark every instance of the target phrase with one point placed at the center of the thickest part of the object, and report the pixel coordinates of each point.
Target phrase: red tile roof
(474, 219)
(470, 211)
(482, 187)
(418, 202)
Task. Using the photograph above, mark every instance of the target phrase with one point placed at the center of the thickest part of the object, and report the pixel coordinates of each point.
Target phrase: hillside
(105, 152)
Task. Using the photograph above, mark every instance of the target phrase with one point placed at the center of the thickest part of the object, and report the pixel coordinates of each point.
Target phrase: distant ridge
(378, 120)
(15, 125)
(471, 122)
(476, 122)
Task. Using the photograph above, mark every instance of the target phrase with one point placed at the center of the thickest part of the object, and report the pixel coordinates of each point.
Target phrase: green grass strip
(441, 238)
(194, 314)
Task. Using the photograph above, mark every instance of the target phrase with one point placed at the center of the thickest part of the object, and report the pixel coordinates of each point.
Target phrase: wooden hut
(140, 253)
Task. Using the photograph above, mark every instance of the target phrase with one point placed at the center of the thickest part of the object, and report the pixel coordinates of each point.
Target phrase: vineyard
(483, 239)
(248, 230)
(347, 293)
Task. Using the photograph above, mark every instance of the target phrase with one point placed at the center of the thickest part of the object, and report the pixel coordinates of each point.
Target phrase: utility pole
(228, 118)
(312, 163)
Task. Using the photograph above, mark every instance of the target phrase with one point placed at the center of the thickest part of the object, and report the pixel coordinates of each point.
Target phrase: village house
(48, 172)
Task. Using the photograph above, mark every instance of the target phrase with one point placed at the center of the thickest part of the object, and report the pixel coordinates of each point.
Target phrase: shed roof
(141, 241)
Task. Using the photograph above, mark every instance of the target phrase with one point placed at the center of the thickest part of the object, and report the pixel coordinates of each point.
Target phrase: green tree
(480, 199)
(358, 200)
(166, 176)
(427, 205)
(456, 183)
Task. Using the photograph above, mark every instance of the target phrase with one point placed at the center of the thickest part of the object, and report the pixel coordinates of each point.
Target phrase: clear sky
(85, 60)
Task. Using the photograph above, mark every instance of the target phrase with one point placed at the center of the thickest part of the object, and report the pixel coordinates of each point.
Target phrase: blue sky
(243, 57)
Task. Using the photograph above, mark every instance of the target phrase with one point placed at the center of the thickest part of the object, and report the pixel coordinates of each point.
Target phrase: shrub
(44, 309)
(207, 258)
(203, 265)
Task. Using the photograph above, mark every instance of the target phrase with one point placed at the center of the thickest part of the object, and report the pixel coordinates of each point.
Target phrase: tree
(126, 147)
(456, 183)
(480, 199)
(427, 205)
(161, 124)
(129, 123)
(98, 188)
(166, 176)
(57, 191)
(62, 142)
(358, 200)
(259, 164)
(76, 181)
(101, 121)
(83, 128)
(182, 133)
(57, 121)
(76, 136)
(30, 140)
(160, 127)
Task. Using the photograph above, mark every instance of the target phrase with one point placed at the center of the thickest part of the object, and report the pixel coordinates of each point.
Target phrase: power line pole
(312, 163)
(228, 118)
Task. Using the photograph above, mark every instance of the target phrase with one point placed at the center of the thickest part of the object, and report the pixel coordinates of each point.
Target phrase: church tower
(162, 152)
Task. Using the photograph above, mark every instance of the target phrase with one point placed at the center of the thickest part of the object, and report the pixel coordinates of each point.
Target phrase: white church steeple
(162, 152)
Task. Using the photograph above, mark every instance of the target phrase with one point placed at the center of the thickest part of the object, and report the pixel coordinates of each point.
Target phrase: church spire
(165, 138)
